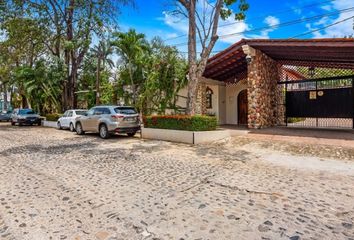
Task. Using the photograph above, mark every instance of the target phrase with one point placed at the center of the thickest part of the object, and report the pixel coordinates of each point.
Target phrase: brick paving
(57, 185)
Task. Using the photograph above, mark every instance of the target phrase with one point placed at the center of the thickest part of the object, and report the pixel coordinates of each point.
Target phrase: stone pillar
(201, 99)
(262, 91)
(280, 96)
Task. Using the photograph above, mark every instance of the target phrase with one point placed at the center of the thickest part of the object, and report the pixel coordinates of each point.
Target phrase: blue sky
(154, 19)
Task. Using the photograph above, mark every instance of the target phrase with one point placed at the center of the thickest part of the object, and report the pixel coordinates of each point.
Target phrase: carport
(307, 83)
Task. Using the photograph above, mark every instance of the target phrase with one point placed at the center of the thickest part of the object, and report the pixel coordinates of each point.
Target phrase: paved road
(56, 185)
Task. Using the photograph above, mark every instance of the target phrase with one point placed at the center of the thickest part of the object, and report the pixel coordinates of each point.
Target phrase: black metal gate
(326, 102)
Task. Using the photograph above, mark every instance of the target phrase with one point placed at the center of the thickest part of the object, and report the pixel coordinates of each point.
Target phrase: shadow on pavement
(345, 134)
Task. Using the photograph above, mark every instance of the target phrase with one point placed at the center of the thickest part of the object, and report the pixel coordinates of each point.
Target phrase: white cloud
(226, 27)
(272, 23)
(339, 30)
(177, 23)
(230, 26)
(240, 27)
(297, 10)
(271, 20)
(323, 21)
(171, 35)
(326, 7)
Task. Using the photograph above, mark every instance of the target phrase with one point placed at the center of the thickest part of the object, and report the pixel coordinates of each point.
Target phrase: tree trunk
(11, 98)
(192, 91)
(24, 102)
(192, 59)
(5, 97)
(115, 91)
(69, 57)
(115, 95)
(98, 76)
(196, 69)
(73, 82)
(65, 82)
(132, 83)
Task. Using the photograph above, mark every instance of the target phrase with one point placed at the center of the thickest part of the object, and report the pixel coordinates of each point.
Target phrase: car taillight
(117, 117)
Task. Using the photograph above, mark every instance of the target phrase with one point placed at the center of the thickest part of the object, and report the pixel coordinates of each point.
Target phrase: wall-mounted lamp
(248, 59)
(312, 72)
(250, 52)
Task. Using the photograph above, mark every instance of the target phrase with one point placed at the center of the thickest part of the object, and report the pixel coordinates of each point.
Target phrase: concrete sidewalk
(339, 138)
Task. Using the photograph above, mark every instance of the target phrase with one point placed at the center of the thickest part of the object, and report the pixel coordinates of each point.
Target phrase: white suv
(68, 120)
(107, 120)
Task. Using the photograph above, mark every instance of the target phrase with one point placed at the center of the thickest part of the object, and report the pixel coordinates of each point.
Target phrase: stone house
(241, 84)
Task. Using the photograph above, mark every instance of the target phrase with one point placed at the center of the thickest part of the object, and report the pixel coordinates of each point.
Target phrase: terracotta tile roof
(339, 51)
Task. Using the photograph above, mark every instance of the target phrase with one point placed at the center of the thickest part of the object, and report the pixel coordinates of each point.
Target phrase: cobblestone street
(57, 185)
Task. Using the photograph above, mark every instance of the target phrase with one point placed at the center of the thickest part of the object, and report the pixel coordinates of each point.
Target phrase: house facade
(247, 83)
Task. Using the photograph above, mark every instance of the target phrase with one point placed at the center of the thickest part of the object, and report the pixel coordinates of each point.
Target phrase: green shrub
(295, 120)
(53, 117)
(182, 122)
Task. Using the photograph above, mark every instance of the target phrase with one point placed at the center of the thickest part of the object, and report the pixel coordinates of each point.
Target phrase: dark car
(5, 117)
(25, 117)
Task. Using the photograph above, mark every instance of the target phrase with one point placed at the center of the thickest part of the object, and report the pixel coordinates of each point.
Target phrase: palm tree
(41, 87)
(102, 51)
(131, 46)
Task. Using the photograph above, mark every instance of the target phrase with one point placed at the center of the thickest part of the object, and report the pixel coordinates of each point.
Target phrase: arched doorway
(242, 108)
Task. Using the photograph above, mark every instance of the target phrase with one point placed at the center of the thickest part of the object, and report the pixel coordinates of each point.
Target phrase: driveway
(57, 185)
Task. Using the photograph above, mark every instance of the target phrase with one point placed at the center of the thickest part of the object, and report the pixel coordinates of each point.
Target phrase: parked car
(68, 120)
(5, 117)
(107, 120)
(25, 116)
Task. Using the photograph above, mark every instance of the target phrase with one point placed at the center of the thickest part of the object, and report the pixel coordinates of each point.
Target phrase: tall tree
(131, 47)
(166, 73)
(73, 24)
(102, 52)
(23, 46)
(203, 17)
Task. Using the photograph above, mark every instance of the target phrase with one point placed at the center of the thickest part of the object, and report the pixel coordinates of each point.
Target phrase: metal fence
(317, 97)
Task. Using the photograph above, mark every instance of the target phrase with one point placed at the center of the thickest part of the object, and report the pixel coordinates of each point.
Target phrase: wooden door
(242, 108)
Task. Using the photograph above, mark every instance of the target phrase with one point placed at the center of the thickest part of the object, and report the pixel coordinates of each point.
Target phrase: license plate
(130, 119)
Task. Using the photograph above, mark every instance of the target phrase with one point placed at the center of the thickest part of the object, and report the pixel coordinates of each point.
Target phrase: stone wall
(280, 110)
(262, 91)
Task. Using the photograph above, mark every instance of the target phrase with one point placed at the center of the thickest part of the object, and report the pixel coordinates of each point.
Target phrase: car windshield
(26, 111)
(80, 112)
(125, 110)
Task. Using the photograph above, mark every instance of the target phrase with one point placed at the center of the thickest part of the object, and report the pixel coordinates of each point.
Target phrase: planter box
(184, 136)
(50, 124)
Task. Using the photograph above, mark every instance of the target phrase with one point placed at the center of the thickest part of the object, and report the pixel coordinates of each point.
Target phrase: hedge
(181, 122)
(53, 117)
(295, 120)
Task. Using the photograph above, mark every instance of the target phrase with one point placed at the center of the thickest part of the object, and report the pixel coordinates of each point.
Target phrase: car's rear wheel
(103, 131)
(71, 127)
(79, 129)
(59, 126)
(131, 134)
